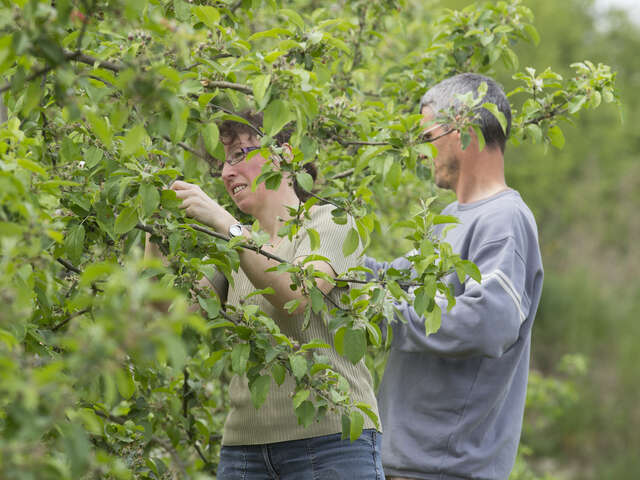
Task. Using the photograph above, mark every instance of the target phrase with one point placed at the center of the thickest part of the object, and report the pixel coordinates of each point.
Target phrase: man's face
(446, 165)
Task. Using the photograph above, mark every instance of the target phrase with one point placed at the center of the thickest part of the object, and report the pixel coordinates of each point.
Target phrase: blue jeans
(317, 458)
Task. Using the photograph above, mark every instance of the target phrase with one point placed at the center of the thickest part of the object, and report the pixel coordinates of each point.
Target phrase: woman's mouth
(238, 188)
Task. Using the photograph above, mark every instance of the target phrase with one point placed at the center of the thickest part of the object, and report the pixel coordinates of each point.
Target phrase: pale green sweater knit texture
(275, 421)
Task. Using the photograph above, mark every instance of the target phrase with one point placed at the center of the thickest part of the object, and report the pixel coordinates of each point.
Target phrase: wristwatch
(235, 230)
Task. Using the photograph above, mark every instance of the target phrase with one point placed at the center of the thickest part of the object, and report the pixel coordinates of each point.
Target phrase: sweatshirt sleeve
(486, 317)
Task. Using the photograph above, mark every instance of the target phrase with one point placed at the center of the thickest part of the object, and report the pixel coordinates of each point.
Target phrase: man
(452, 403)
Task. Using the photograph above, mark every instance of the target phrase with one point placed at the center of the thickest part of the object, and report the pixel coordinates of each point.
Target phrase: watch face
(235, 230)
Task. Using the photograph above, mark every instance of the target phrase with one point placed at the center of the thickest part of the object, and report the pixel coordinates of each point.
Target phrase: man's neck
(481, 176)
(475, 193)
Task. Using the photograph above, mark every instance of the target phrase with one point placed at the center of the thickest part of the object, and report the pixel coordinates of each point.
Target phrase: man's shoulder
(497, 219)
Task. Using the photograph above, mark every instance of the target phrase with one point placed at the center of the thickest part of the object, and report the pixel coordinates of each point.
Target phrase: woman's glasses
(239, 155)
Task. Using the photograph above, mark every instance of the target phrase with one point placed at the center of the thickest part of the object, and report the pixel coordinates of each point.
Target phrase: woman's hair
(230, 129)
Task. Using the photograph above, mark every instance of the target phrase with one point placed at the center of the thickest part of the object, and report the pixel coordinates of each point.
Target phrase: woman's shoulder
(323, 215)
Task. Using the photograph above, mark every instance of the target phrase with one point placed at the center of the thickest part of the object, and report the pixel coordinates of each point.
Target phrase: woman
(269, 443)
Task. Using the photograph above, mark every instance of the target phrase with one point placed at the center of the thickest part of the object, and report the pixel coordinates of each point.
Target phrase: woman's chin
(243, 205)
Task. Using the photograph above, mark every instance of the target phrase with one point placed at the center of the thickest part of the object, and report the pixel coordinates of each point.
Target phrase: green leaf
(556, 137)
(314, 239)
(472, 270)
(369, 413)
(133, 141)
(211, 305)
(498, 114)
(293, 16)
(300, 397)
(179, 123)
(126, 221)
(260, 83)
(432, 320)
(440, 219)
(32, 166)
(305, 413)
(351, 242)
(239, 358)
(94, 271)
(74, 243)
(278, 372)
(31, 98)
(338, 340)
(182, 10)
(150, 198)
(354, 344)
(101, 128)
(276, 116)
(210, 136)
(207, 15)
(92, 157)
(169, 200)
(259, 390)
(421, 300)
(298, 365)
(532, 33)
(305, 181)
(125, 383)
(317, 300)
(480, 137)
(357, 422)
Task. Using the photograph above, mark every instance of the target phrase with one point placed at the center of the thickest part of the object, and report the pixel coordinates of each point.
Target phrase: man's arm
(486, 317)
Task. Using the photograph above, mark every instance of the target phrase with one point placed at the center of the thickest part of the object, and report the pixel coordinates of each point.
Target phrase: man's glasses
(428, 135)
(240, 154)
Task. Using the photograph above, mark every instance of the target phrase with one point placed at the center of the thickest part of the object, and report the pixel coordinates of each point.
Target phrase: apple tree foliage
(106, 368)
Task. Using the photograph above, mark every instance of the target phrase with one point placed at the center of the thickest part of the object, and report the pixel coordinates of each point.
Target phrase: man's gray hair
(443, 96)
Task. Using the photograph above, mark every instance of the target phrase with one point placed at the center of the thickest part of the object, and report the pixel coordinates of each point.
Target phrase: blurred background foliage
(583, 413)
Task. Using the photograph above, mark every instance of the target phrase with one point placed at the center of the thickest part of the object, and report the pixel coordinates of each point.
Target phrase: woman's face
(238, 178)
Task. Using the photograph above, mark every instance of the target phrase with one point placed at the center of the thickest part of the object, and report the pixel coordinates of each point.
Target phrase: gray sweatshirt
(452, 403)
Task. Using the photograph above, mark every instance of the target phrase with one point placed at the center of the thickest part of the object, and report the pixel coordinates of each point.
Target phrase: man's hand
(200, 206)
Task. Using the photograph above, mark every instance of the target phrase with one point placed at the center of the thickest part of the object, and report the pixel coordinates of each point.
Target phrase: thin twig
(75, 56)
(228, 85)
(246, 246)
(69, 318)
(346, 143)
(322, 199)
(231, 112)
(186, 147)
(346, 173)
(34, 75)
(107, 416)
(89, 60)
(68, 265)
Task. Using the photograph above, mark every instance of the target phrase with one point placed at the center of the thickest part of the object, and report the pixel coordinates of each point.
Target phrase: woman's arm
(200, 206)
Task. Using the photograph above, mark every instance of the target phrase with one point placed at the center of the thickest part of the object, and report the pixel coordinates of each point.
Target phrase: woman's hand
(200, 206)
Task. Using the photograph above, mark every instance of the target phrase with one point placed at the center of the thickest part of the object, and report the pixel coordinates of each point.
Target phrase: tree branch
(228, 85)
(69, 318)
(346, 143)
(73, 56)
(68, 265)
(231, 112)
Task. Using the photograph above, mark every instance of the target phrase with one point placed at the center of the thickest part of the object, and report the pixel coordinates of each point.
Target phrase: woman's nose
(228, 172)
